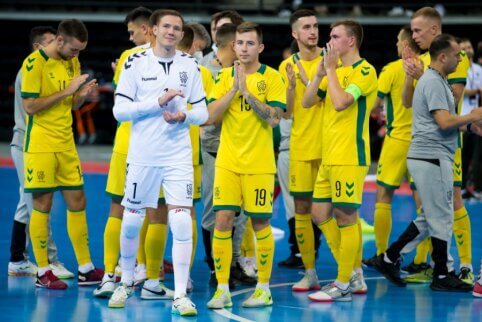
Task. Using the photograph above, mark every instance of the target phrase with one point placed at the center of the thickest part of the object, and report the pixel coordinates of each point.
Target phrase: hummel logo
(149, 79)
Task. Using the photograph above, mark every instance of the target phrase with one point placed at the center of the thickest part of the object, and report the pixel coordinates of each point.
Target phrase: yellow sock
(463, 235)
(349, 240)
(331, 231)
(155, 245)
(79, 236)
(359, 253)
(264, 253)
(305, 237)
(39, 235)
(194, 240)
(112, 243)
(383, 225)
(222, 254)
(247, 245)
(141, 251)
(422, 249)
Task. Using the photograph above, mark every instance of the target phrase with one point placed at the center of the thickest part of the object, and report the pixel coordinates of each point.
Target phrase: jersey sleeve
(434, 95)
(31, 77)
(276, 96)
(196, 93)
(365, 78)
(460, 74)
(127, 86)
(119, 67)
(207, 79)
(385, 81)
(220, 88)
(323, 88)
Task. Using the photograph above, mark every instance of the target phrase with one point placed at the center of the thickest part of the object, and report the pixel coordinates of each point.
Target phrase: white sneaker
(358, 285)
(220, 300)
(309, 282)
(331, 293)
(23, 268)
(106, 287)
(160, 292)
(120, 295)
(249, 265)
(60, 271)
(190, 285)
(140, 274)
(183, 306)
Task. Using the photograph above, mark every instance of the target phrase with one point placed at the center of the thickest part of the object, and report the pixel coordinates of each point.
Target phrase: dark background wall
(108, 40)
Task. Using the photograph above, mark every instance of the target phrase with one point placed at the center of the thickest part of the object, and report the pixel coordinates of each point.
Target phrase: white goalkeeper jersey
(145, 78)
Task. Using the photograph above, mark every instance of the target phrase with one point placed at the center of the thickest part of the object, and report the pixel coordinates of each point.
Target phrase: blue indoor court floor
(21, 301)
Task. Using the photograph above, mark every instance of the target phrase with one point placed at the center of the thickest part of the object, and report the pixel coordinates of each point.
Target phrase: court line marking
(227, 314)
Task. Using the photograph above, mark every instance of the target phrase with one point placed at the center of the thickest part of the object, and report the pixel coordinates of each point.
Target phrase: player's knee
(181, 224)
(132, 222)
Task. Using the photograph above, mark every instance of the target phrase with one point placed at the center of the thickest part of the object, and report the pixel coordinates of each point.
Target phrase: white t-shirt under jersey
(145, 78)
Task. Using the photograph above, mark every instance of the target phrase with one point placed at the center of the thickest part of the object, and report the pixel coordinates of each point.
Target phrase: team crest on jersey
(183, 77)
(41, 176)
(261, 86)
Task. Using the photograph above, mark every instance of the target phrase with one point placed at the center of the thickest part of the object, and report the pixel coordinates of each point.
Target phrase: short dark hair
(159, 13)
(407, 36)
(201, 32)
(300, 14)
(231, 14)
(37, 33)
(464, 39)
(225, 34)
(73, 28)
(353, 28)
(138, 15)
(186, 41)
(440, 44)
(250, 26)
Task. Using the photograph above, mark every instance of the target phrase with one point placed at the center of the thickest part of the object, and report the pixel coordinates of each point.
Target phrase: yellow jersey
(247, 140)
(346, 138)
(194, 133)
(390, 86)
(121, 141)
(49, 130)
(305, 136)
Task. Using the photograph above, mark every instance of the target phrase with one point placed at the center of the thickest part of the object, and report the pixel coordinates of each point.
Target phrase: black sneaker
(213, 281)
(292, 261)
(449, 283)
(415, 268)
(240, 276)
(370, 262)
(389, 270)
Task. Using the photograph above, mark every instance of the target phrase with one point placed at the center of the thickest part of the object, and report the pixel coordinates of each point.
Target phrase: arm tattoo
(258, 107)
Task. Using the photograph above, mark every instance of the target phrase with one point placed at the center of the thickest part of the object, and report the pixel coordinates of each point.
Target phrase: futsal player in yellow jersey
(51, 87)
(349, 91)
(249, 98)
(426, 24)
(392, 165)
(305, 141)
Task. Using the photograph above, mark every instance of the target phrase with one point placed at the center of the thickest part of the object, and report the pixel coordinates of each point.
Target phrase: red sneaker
(50, 281)
(92, 277)
(477, 292)
(168, 268)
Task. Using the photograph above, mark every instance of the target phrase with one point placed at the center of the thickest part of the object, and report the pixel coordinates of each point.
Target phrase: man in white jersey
(153, 92)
